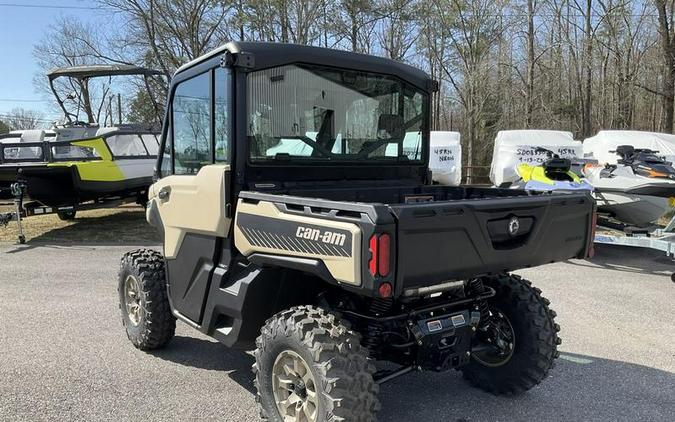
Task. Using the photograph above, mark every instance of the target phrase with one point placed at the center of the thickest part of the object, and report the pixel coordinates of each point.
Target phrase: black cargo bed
(452, 240)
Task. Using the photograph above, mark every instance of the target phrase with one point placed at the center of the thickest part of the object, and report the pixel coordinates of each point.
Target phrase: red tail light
(380, 247)
(591, 242)
(372, 264)
(383, 255)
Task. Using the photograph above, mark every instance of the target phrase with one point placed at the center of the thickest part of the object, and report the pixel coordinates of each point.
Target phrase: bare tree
(4, 128)
(398, 30)
(354, 21)
(169, 33)
(69, 42)
(578, 65)
(22, 119)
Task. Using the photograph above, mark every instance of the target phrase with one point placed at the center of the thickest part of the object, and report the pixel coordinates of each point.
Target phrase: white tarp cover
(598, 146)
(445, 158)
(513, 147)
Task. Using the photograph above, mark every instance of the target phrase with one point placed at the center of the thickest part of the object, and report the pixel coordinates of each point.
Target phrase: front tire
(529, 351)
(311, 368)
(146, 313)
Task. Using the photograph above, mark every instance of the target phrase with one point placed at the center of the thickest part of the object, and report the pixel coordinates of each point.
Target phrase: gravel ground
(64, 355)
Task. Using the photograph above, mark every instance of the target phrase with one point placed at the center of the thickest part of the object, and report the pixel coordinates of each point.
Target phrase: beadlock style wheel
(294, 388)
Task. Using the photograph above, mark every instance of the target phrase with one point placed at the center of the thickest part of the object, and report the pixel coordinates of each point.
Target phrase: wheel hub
(496, 340)
(294, 388)
(132, 300)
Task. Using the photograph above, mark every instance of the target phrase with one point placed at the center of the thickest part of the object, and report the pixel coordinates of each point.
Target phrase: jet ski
(75, 161)
(637, 190)
(554, 174)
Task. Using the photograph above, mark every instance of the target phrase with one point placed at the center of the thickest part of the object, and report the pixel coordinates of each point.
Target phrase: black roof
(265, 55)
(94, 71)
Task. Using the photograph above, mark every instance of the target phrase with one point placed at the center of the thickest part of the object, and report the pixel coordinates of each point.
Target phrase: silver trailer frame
(656, 238)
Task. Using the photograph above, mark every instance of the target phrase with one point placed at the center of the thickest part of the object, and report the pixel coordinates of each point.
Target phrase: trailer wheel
(146, 313)
(310, 367)
(66, 215)
(516, 348)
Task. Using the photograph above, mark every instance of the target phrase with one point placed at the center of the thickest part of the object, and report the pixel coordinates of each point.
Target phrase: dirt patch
(124, 225)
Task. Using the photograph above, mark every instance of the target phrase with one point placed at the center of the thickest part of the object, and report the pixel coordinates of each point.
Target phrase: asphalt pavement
(64, 355)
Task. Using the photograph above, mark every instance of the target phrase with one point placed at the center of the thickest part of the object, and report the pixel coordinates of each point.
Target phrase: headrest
(390, 126)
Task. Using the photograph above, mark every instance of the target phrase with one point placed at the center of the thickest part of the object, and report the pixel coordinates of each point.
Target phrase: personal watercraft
(75, 161)
(554, 174)
(637, 190)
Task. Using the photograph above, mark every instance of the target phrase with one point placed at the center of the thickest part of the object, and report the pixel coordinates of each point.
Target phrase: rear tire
(535, 339)
(338, 378)
(146, 313)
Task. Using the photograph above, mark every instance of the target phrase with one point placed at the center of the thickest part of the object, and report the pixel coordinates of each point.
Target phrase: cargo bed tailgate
(440, 241)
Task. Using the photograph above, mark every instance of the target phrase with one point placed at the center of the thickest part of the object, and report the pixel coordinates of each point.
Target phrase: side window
(192, 125)
(126, 146)
(151, 144)
(165, 165)
(73, 152)
(222, 117)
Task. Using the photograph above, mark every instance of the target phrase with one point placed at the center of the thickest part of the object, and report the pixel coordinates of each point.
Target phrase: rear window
(314, 114)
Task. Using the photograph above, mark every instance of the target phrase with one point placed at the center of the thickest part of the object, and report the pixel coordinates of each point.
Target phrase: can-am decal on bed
(286, 235)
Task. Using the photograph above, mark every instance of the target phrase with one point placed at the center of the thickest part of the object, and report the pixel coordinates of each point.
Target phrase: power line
(48, 6)
(19, 100)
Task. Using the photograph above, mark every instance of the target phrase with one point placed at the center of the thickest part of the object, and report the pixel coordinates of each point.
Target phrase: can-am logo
(325, 236)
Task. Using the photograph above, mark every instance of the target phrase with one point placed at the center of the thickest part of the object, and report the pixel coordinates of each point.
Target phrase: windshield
(309, 113)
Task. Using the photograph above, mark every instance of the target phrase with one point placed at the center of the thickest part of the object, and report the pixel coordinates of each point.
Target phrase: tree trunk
(529, 100)
(669, 59)
(588, 63)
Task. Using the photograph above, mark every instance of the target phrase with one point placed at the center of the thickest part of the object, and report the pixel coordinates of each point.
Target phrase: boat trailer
(24, 209)
(612, 232)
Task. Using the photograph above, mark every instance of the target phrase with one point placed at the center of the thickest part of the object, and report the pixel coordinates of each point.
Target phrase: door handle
(164, 193)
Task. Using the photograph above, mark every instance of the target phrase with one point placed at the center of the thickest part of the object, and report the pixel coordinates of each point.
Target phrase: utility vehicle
(339, 256)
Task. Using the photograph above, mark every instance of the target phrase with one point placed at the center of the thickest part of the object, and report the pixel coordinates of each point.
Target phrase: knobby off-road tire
(341, 374)
(146, 314)
(535, 339)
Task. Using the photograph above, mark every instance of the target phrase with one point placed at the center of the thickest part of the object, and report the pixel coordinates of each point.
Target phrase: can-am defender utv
(329, 258)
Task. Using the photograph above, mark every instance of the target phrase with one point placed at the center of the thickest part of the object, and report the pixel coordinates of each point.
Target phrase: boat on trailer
(76, 162)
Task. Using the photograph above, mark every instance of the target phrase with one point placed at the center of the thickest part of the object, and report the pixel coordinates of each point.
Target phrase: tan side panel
(196, 204)
(346, 269)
